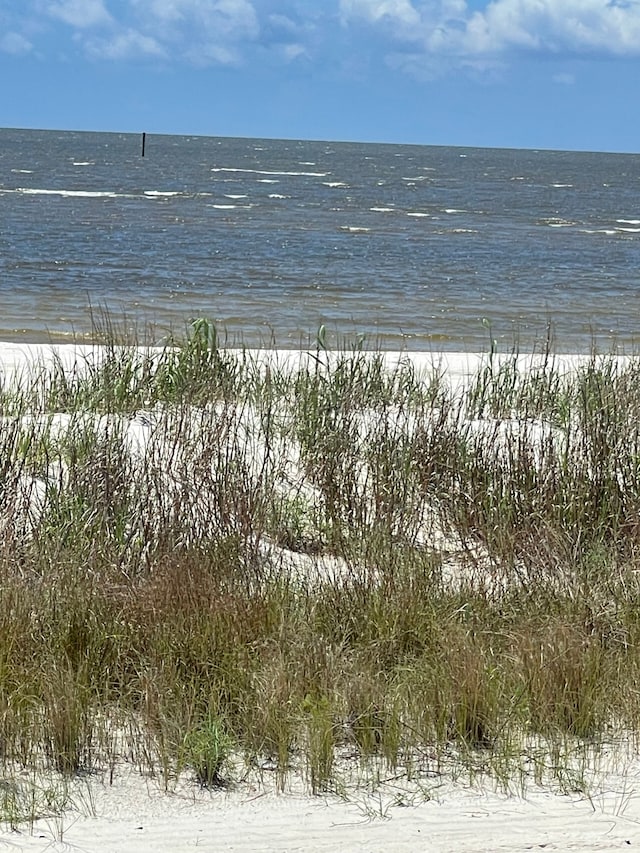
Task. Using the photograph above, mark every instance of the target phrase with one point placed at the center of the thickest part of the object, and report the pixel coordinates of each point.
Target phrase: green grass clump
(208, 562)
(207, 747)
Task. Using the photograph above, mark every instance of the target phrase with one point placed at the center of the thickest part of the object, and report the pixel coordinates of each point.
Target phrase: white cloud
(451, 28)
(555, 26)
(292, 51)
(398, 12)
(201, 31)
(283, 23)
(418, 36)
(223, 17)
(163, 10)
(126, 44)
(198, 31)
(79, 13)
(290, 37)
(15, 44)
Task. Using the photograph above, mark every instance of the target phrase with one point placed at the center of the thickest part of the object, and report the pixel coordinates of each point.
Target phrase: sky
(559, 74)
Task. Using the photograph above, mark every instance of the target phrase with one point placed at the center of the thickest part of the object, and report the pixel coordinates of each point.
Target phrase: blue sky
(513, 73)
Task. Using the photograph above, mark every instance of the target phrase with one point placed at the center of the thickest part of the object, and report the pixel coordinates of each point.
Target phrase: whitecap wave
(354, 229)
(271, 172)
(557, 222)
(69, 193)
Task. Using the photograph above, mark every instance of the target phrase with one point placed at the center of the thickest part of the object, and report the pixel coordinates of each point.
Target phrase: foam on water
(270, 172)
(65, 193)
(557, 222)
(69, 193)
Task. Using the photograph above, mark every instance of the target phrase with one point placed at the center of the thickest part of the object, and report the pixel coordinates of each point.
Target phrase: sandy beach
(17, 358)
(121, 810)
(134, 816)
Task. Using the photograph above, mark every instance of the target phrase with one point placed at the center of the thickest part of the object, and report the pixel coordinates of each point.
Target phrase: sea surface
(392, 246)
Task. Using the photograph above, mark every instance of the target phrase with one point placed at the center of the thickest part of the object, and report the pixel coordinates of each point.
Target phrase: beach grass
(212, 561)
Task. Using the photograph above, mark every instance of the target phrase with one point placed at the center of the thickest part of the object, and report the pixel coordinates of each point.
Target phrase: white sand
(16, 358)
(133, 815)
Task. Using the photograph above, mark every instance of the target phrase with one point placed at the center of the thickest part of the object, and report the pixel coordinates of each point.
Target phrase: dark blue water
(409, 246)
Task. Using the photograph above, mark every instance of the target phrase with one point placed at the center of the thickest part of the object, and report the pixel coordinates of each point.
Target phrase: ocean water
(395, 246)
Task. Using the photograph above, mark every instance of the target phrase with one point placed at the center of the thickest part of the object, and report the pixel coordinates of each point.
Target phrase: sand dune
(134, 814)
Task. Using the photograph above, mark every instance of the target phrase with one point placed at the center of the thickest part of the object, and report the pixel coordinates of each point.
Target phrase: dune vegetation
(331, 567)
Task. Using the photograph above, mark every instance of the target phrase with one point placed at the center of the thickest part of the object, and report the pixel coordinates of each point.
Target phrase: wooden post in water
(144, 141)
